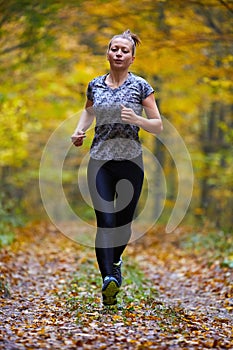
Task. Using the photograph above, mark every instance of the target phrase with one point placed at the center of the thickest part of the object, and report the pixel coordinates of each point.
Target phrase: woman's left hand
(128, 116)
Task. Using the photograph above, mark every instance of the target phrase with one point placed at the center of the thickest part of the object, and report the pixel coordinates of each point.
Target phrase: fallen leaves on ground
(172, 297)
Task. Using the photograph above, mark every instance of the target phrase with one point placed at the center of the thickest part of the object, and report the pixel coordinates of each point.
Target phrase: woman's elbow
(160, 127)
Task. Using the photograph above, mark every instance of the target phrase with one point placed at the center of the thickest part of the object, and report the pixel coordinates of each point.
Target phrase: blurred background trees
(50, 50)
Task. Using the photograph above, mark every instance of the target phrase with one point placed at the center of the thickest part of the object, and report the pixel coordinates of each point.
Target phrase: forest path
(181, 302)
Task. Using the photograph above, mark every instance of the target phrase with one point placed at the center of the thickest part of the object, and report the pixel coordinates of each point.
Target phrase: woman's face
(120, 54)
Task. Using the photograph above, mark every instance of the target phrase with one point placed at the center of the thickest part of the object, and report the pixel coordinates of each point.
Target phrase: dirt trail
(41, 263)
(188, 280)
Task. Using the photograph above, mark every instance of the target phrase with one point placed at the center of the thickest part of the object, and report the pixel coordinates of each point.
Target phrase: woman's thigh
(115, 188)
(129, 192)
(102, 190)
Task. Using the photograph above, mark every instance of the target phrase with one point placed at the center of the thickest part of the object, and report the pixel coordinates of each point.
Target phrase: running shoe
(109, 290)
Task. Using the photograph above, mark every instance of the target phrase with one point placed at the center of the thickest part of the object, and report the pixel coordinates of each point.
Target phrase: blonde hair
(133, 38)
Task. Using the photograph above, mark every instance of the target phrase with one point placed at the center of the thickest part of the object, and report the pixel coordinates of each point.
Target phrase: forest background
(50, 50)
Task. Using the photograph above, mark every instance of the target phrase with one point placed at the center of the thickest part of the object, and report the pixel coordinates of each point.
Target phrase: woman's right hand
(77, 138)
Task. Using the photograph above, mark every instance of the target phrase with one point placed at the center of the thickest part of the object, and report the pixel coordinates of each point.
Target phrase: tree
(50, 50)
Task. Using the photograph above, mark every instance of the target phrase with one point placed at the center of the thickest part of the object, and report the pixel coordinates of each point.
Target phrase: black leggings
(115, 188)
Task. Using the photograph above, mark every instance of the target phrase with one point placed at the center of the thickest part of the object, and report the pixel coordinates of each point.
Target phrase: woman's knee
(105, 220)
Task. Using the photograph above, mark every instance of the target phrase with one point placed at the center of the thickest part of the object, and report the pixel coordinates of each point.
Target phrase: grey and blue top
(113, 139)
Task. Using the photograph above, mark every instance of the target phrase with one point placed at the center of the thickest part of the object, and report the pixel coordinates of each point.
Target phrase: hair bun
(129, 35)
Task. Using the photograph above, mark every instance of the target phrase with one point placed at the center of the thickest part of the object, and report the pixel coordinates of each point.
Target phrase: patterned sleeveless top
(113, 139)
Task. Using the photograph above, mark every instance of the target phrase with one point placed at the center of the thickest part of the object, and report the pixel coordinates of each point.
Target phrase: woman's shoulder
(138, 78)
(98, 80)
(141, 84)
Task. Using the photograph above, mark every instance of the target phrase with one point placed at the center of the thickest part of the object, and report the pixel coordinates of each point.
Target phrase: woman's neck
(116, 79)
